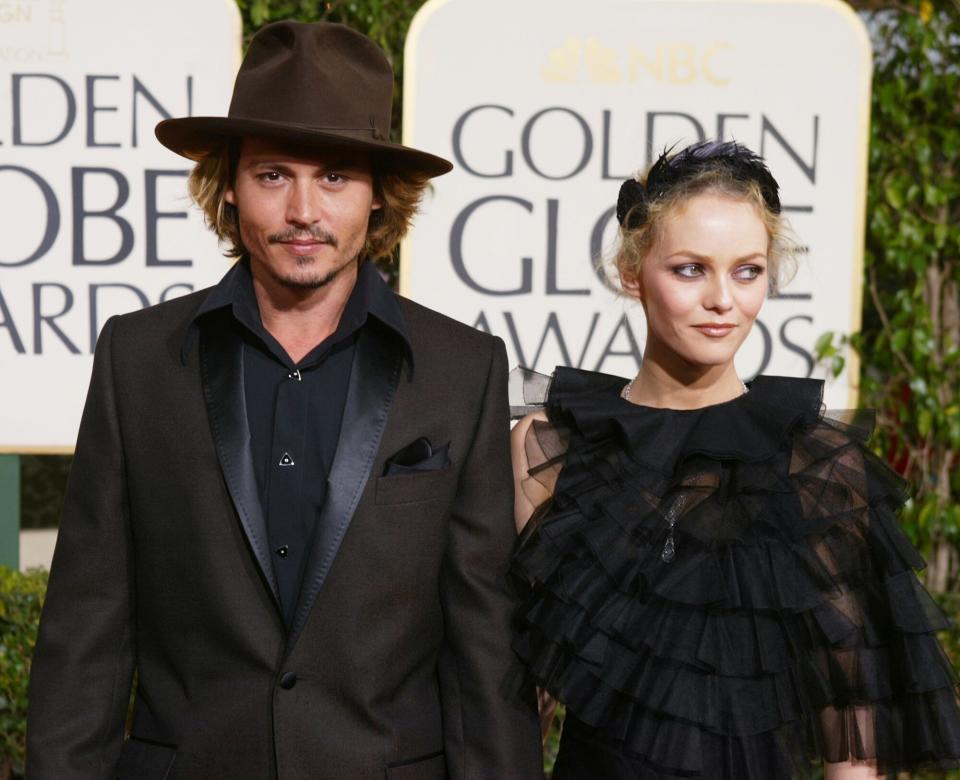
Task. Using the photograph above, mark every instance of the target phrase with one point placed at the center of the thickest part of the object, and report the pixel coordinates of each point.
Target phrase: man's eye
(269, 176)
(688, 270)
(334, 178)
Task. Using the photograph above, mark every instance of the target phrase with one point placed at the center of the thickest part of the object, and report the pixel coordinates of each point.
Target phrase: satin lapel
(221, 366)
(373, 383)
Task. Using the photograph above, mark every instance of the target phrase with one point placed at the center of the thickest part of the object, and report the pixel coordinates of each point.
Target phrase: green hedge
(909, 345)
(21, 596)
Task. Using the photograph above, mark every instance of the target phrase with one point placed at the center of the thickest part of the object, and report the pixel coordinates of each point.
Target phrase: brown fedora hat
(318, 84)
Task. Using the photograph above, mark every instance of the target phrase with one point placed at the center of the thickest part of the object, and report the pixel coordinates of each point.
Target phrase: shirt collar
(370, 296)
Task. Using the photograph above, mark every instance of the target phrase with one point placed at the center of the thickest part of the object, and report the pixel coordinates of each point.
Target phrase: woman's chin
(707, 360)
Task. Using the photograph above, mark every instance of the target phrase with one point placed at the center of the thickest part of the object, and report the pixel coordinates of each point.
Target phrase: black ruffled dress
(725, 592)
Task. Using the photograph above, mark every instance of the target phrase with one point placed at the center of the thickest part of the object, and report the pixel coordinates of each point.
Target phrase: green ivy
(21, 596)
(909, 344)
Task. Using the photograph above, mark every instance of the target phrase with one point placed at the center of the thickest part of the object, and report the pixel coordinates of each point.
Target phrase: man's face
(303, 213)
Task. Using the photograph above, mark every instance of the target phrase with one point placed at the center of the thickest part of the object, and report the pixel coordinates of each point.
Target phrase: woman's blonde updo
(727, 169)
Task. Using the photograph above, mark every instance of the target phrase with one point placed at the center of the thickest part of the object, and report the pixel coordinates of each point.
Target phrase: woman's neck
(684, 386)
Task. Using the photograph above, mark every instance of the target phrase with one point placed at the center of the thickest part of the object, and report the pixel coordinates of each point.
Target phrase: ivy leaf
(954, 431)
(894, 195)
(923, 516)
(940, 233)
(824, 345)
(259, 11)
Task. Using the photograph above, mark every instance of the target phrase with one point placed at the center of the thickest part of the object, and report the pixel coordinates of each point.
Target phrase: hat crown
(311, 85)
(315, 75)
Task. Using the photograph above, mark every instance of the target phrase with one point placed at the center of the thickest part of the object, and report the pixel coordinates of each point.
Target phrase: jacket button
(288, 680)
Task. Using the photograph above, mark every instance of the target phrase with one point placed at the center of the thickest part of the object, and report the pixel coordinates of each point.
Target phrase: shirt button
(283, 550)
(288, 680)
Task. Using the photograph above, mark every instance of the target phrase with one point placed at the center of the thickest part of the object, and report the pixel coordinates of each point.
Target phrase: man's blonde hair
(398, 192)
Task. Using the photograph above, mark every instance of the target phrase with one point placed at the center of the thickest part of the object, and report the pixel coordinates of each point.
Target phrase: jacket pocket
(431, 767)
(411, 488)
(142, 760)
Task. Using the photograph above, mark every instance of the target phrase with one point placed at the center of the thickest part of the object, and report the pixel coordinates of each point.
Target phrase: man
(289, 510)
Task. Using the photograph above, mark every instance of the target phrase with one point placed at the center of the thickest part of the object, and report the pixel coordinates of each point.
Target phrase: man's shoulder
(177, 312)
(429, 326)
(157, 332)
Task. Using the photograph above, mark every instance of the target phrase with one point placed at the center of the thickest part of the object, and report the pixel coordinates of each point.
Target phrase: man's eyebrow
(335, 164)
(343, 164)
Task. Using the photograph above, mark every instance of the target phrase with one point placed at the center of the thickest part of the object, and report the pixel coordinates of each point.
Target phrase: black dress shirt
(294, 408)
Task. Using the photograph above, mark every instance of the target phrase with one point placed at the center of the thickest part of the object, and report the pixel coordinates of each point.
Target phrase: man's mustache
(299, 234)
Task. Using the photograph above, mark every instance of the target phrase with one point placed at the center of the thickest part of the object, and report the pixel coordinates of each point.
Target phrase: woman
(718, 587)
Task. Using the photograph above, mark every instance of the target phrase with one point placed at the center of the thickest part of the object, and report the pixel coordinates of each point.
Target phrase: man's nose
(304, 204)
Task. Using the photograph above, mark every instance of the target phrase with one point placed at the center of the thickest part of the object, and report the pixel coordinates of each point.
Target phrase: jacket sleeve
(490, 724)
(83, 662)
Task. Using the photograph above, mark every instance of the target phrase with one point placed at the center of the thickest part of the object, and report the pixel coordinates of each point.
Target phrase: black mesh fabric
(789, 628)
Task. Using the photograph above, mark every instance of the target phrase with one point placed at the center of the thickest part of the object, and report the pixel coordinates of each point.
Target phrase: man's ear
(376, 203)
(229, 196)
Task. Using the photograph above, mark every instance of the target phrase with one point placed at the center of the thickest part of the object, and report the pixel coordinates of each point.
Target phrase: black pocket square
(416, 457)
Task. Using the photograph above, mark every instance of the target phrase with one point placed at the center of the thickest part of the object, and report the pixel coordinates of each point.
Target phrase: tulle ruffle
(788, 628)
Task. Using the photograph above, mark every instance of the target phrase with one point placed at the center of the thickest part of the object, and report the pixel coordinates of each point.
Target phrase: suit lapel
(221, 366)
(373, 383)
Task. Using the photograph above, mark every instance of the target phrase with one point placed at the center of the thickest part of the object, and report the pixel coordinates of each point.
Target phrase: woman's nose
(718, 295)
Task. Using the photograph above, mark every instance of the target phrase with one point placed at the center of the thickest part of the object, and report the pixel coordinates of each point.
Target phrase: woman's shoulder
(522, 429)
(803, 394)
(532, 391)
(526, 454)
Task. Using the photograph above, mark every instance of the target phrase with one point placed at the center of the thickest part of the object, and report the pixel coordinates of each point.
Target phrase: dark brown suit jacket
(398, 665)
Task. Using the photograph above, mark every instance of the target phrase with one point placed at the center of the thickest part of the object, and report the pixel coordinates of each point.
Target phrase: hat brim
(194, 137)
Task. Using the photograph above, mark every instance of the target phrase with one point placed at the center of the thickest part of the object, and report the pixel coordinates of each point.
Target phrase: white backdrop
(545, 106)
(95, 218)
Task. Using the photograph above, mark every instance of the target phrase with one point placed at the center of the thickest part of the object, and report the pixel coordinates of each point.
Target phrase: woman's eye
(748, 272)
(688, 270)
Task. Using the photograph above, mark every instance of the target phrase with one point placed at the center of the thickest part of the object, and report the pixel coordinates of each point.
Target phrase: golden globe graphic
(95, 218)
(546, 106)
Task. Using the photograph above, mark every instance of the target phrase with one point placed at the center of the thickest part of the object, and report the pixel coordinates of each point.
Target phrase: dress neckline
(748, 428)
(728, 402)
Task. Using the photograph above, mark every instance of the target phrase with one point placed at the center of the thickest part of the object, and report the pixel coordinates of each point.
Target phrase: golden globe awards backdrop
(545, 106)
(95, 219)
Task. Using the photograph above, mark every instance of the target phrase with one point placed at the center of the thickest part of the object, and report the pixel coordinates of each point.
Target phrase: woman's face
(703, 282)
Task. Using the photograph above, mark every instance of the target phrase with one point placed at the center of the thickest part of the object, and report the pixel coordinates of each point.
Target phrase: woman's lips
(715, 329)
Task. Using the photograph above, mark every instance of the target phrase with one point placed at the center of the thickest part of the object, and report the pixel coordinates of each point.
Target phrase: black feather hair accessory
(670, 170)
(632, 200)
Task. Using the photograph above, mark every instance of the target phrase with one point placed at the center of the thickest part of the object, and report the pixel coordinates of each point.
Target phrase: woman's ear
(631, 285)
